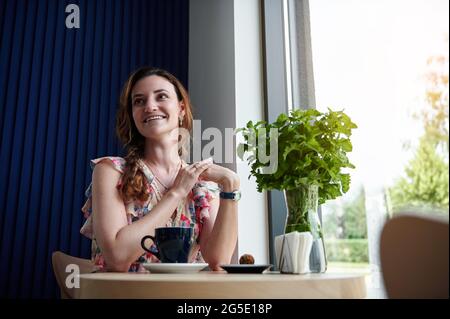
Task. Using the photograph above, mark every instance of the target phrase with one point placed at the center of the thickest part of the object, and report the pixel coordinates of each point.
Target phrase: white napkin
(292, 252)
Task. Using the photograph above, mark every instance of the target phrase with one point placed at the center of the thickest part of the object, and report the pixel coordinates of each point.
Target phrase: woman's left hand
(226, 178)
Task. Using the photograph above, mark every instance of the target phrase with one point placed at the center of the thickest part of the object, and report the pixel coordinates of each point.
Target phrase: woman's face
(155, 106)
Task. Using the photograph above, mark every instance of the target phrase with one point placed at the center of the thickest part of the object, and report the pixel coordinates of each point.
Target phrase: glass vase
(302, 216)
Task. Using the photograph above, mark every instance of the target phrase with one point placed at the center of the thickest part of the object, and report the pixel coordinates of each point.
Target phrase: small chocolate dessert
(246, 259)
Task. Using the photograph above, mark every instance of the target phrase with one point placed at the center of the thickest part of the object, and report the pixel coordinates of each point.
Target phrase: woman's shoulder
(118, 163)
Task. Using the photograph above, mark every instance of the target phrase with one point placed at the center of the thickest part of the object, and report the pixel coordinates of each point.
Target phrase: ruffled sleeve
(119, 164)
(203, 193)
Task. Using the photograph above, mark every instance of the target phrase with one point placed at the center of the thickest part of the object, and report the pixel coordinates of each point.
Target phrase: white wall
(253, 231)
(226, 88)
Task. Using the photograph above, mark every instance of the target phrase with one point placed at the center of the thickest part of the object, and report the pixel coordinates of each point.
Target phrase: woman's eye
(163, 96)
(138, 101)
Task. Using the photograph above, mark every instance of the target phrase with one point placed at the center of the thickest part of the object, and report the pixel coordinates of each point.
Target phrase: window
(386, 64)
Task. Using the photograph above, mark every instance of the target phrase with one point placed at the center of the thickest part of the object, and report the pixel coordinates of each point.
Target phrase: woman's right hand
(188, 176)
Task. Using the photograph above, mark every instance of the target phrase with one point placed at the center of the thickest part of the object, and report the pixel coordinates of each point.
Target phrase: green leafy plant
(312, 150)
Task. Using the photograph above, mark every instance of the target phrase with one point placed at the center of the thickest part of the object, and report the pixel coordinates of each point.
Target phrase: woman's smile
(153, 118)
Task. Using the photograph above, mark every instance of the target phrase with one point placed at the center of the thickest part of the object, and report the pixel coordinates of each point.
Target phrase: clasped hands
(204, 170)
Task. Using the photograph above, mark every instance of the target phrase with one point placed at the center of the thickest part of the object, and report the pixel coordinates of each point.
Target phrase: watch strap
(230, 195)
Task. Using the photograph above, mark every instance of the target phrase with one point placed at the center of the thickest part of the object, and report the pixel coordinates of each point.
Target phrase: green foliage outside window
(426, 182)
(345, 228)
(427, 174)
(348, 250)
(347, 221)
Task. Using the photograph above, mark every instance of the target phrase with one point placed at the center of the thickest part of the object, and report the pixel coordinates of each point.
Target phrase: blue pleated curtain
(59, 89)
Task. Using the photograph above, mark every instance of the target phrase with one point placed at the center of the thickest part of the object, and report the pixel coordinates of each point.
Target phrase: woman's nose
(151, 106)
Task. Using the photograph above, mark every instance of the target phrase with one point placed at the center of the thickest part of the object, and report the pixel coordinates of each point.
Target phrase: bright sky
(369, 58)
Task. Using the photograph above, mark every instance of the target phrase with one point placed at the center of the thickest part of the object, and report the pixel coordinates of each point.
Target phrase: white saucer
(169, 268)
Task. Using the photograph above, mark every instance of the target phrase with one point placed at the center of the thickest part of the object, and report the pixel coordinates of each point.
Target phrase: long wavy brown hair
(133, 180)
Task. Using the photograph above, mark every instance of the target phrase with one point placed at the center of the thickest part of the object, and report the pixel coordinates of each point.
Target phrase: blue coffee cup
(174, 244)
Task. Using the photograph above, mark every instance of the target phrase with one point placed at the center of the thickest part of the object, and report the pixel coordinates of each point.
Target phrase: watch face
(237, 195)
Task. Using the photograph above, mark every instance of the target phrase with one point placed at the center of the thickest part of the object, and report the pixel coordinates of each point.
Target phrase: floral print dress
(191, 212)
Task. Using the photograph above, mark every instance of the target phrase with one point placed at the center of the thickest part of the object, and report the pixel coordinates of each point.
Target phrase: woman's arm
(219, 234)
(120, 242)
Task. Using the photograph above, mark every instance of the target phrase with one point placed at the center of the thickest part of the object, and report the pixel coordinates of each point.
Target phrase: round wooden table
(215, 285)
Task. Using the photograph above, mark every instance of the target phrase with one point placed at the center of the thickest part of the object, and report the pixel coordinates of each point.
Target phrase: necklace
(158, 179)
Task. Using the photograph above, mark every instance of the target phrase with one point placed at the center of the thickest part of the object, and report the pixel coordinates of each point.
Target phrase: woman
(152, 186)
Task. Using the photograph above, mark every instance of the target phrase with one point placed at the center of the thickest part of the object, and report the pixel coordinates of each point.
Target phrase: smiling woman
(59, 91)
(153, 186)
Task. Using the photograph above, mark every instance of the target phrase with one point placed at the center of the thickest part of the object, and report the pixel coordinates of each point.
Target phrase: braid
(133, 180)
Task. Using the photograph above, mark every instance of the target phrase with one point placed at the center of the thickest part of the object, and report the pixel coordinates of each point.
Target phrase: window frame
(288, 81)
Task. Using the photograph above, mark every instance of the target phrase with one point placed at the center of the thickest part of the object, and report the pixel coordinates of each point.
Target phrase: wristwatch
(235, 195)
